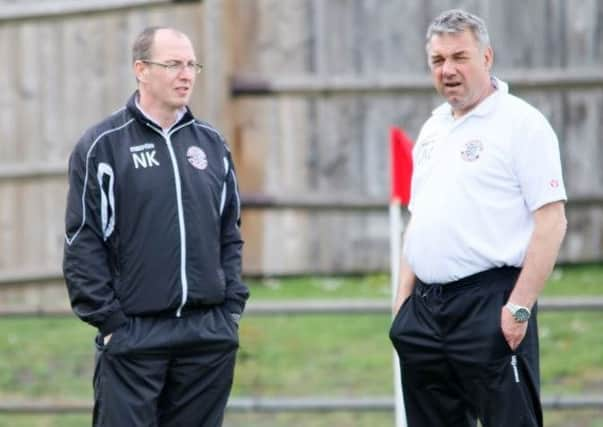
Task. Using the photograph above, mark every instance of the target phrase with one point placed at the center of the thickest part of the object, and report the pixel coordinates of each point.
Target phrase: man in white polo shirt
(487, 221)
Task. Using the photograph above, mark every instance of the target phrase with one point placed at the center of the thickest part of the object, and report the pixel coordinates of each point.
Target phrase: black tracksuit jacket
(152, 221)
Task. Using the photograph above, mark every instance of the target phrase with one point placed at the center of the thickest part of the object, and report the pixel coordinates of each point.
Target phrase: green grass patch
(303, 355)
(45, 421)
(377, 286)
(584, 280)
(306, 355)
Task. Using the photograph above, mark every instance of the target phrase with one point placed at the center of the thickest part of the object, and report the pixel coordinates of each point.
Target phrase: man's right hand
(406, 284)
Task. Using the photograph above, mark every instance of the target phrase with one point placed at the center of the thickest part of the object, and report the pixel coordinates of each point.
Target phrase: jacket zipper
(181, 225)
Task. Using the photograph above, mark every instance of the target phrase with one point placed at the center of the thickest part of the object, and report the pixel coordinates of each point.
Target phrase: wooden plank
(213, 86)
(30, 220)
(7, 227)
(270, 36)
(339, 163)
(251, 150)
(292, 169)
(274, 35)
(29, 133)
(13, 171)
(340, 47)
(24, 276)
(541, 79)
(17, 247)
(525, 26)
(344, 200)
(31, 10)
(582, 22)
(52, 236)
(116, 59)
(8, 95)
(583, 111)
(315, 201)
(318, 54)
(355, 201)
(584, 235)
(51, 86)
(73, 122)
(31, 223)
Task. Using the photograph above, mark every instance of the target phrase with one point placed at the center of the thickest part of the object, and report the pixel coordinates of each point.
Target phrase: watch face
(522, 315)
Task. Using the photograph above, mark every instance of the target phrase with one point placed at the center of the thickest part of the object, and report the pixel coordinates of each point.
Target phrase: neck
(488, 90)
(162, 115)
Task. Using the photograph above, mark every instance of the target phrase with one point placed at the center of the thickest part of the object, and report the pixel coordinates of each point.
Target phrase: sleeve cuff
(113, 322)
(234, 307)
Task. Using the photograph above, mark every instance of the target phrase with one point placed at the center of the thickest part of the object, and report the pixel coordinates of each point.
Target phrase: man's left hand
(512, 330)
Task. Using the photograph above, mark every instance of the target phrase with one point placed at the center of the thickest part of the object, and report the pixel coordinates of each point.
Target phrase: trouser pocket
(507, 393)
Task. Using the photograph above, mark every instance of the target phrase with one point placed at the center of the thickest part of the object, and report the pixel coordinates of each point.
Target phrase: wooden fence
(306, 110)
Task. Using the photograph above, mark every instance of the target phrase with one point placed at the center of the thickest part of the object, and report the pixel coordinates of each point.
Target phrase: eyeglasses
(174, 67)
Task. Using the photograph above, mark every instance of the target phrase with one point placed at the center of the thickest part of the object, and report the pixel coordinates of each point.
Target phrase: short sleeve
(537, 163)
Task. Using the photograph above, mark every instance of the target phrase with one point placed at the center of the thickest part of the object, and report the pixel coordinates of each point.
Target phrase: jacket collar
(139, 115)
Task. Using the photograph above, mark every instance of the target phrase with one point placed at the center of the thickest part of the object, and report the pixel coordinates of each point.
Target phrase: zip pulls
(514, 366)
(183, 279)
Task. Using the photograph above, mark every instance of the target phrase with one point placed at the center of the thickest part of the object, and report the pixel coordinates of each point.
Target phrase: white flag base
(396, 227)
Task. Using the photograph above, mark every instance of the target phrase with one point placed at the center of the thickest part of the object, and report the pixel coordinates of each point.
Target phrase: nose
(186, 73)
(448, 68)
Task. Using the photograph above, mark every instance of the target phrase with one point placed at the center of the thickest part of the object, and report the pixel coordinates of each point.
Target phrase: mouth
(451, 85)
(182, 90)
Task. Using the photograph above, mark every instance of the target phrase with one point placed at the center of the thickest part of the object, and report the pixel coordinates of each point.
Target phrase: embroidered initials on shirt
(144, 155)
(146, 159)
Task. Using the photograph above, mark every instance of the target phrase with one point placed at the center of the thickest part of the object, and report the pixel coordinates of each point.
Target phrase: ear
(140, 70)
(488, 57)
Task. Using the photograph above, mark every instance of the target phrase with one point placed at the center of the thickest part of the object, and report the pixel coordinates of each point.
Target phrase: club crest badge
(196, 157)
(472, 150)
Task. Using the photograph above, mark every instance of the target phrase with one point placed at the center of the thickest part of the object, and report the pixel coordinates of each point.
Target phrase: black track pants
(456, 364)
(166, 372)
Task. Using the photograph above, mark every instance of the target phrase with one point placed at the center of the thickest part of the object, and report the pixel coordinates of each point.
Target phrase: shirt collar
(484, 107)
(181, 113)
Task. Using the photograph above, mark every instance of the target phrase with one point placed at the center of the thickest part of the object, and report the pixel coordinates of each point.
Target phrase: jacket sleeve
(231, 243)
(86, 257)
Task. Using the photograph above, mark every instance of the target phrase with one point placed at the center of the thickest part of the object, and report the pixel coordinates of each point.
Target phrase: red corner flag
(400, 147)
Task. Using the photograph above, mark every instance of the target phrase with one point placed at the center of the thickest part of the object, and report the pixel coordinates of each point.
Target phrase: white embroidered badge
(472, 150)
(196, 157)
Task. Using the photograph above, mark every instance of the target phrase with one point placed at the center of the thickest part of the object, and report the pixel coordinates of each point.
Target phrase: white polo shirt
(477, 181)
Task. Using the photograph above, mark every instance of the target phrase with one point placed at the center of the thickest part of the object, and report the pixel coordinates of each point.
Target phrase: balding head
(143, 45)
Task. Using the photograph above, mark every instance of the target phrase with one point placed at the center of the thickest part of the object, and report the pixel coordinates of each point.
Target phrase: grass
(338, 355)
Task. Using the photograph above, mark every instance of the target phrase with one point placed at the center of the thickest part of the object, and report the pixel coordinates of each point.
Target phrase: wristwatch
(520, 313)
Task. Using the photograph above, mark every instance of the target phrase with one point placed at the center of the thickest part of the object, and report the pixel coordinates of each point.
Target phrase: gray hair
(141, 49)
(457, 21)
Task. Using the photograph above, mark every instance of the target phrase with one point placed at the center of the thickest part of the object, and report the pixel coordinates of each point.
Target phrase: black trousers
(456, 364)
(166, 371)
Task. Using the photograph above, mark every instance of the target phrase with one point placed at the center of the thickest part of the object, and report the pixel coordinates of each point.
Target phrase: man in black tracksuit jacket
(153, 249)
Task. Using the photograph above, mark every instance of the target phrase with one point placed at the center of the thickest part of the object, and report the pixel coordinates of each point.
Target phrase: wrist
(519, 312)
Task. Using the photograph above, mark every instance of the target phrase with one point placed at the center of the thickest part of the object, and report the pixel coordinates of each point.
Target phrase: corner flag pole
(400, 173)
